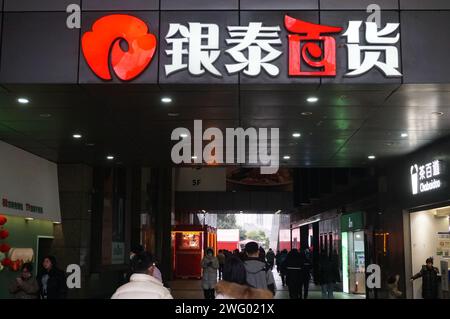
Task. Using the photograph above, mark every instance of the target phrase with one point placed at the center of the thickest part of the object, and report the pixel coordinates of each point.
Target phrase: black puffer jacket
(430, 282)
(56, 284)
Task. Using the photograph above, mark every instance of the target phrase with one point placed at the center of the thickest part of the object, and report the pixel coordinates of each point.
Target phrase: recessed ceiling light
(77, 136)
(194, 157)
(23, 100)
(306, 113)
(296, 135)
(286, 157)
(166, 99)
(173, 114)
(437, 113)
(110, 157)
(404, 135)
(183, 135)
(312, 99)
(45, 115)
(371, 157)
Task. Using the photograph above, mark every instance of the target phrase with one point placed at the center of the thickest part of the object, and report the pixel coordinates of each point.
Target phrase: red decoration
(306, 47)
(6, 262)
(4, 248)
(101, 45)
(3, 220)
(4, 234)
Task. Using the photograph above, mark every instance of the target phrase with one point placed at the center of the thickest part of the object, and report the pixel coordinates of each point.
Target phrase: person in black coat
(430, 280)
(328, 273)
(51, 280)
(305, 272)
(292, 267)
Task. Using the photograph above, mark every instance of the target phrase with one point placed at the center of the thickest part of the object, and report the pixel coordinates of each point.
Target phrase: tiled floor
(191, 289)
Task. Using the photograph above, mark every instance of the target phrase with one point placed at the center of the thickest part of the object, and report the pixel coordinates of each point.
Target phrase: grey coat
(210, 266)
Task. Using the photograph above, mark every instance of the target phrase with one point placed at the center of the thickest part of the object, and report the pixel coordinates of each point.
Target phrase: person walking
(328, 273)
(305, 272)
(258, 276)
(270, 257)
(280, 261)
(234, 284)
(143, 284)
(210, 265)
(221, 258)
(25, 286)
(51, 280)
(430, 280)
(293, 268)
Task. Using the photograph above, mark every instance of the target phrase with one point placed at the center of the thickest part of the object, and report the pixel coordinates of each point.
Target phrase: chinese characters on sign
(253, 48)
(426, 177)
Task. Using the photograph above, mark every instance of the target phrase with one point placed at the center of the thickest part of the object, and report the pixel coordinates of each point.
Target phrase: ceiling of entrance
(342, 128)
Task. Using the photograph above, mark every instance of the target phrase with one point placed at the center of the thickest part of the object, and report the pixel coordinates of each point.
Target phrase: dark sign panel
(37, 47)
(38, 5)
(200, 5)
(279, 5)
(105, 5)
(425, 46)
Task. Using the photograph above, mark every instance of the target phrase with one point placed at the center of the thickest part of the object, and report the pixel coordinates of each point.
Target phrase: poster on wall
(443, 244)
(250, 179)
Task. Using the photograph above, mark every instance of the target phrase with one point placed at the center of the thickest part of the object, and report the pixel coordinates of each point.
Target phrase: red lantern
(6, 262)
(4, 248)
(3, 220)
(4, 234)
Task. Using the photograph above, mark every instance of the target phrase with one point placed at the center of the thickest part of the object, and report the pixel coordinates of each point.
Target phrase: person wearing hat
(51, 280)
(430, 280)
(210, 265)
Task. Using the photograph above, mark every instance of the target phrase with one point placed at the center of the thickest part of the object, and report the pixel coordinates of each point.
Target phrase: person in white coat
(143, 285)
(210, 265)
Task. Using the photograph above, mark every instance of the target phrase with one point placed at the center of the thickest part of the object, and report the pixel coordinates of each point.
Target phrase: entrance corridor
(192, 289)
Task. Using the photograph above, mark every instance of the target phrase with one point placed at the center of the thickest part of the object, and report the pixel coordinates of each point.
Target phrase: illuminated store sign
(196, 47)
(426, 177)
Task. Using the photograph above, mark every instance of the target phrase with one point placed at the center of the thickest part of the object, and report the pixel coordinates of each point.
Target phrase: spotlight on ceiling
(286, 157)
(77, 136)
(23, 100)
(404, 135)
(296, 135)
(312, 99)
(371, 157)
(110, 157)
(166, 100)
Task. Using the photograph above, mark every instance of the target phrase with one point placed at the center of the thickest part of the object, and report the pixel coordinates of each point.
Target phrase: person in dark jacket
(135, 251)
(51, 280)
(25, 286)
(292, 267)
(328, 273)
(305, 272)
(270, 257)
(281, 258)
(430, 280)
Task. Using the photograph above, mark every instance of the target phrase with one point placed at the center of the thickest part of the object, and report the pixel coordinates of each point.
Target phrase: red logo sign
(306, 46)
(105, 37)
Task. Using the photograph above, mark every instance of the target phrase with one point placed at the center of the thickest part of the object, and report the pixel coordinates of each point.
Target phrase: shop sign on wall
(426, 177)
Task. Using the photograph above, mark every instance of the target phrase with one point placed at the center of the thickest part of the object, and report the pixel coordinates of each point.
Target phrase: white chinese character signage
(426, 177)
(254, 48)
(290, 48)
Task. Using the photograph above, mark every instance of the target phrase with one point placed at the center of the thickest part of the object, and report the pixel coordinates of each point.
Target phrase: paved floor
(191, 289)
